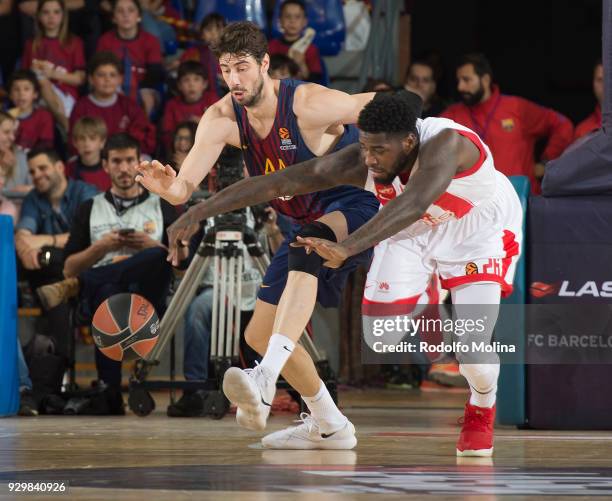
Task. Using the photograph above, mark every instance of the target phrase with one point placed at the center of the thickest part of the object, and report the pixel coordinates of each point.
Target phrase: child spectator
(139, 52)
(293, 21)
(35, 124)
(13, 161)
(193, 100)
(182, 141)
(210, 31)
(57, 57)
(282, 66)
(88, 137)
(119, 112)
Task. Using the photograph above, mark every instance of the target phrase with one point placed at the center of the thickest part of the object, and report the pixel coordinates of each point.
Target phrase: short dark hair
(213, 18)
(102, 59)
(242, 38)
(279, 61)
(191, 68)
(391, 113)
(299, 3)
(28, 75)
(435, 72)
(44, 149)
(481, 64)
(135, 2)
(120, 141)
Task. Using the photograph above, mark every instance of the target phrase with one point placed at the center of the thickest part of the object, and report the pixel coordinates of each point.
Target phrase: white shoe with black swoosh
(307, 435)
(252, 391)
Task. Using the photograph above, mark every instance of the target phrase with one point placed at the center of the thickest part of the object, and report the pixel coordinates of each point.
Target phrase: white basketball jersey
(467, 190)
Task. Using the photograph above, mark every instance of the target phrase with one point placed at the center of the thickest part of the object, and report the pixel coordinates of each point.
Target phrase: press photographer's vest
(143, 216)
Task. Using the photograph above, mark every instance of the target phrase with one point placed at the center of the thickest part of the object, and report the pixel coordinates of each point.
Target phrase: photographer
(42, 232)
(198, 320)
(117, 244)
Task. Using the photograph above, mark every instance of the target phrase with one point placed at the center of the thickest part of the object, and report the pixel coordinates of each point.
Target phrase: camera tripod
(223, 247)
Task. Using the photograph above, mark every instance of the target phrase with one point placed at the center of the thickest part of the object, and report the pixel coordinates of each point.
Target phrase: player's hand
(179, 235)
(333, 253)
(159, 179)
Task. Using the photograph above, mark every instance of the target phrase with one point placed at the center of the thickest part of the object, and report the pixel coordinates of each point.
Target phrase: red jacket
(35, 129)
(123, 115)
(510, 126)
(589, 124)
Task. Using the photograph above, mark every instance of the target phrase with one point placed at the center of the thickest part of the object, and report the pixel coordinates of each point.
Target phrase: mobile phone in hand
(126, 231)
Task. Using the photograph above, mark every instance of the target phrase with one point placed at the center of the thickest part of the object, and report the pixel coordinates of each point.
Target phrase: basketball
(125, 327)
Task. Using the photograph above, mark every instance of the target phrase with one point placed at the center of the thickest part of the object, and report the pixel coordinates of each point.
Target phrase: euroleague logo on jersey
(285, 137)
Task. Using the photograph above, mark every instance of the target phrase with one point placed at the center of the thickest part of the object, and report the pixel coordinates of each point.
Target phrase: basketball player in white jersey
(445, 210)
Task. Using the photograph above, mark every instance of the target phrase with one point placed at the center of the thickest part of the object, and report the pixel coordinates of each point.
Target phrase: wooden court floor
(405, 451)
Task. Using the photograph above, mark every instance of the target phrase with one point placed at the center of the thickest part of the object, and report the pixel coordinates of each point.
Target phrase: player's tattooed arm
(340, 168)
(439, 160)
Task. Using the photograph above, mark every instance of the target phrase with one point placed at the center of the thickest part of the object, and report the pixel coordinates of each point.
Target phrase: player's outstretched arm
(343, 167)
(211, 137)
(439, 160)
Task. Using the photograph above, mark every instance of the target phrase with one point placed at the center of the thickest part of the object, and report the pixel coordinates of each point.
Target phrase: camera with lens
(48, 256)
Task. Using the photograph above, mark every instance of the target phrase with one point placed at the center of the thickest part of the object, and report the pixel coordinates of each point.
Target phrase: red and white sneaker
(476, 437)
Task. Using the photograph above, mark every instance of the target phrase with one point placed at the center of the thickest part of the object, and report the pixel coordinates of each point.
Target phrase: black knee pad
(309, 263)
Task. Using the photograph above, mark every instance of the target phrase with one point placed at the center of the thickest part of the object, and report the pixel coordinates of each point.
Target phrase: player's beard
(473, 98)
(257, 92)
(400, 164)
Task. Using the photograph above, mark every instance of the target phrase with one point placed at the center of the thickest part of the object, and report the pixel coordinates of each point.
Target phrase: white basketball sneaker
(252, 391)
(307, 435)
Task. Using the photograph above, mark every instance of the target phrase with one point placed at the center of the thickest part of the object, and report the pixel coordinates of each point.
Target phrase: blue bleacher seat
(233, 10)
(326, 17)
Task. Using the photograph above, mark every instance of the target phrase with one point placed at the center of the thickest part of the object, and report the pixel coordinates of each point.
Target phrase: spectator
(375, 85)
(155, 17)
(192, 101)
(422, 77)
(35, 124)
(7, 208)
(282, 66)
(182, 141)
(293, 21)
(83, 18)
(139, 52)
(593, 121)
(46, 214)
(119, 112)
(88, 136)
(210, 31)
(57, 57)
(13, 161)
(117, 244)
(509, 125)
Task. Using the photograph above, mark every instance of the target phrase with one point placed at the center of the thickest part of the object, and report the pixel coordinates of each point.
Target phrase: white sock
(279, 350)
(483, 383)
(325, 411)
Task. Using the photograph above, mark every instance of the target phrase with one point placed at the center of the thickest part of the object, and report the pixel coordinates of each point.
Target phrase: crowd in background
(90, 89)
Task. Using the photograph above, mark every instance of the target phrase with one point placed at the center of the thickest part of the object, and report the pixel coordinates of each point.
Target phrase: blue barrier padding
(511, 395)
(9, 375)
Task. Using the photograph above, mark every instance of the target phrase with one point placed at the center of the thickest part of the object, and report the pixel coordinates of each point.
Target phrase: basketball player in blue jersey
(277, 124)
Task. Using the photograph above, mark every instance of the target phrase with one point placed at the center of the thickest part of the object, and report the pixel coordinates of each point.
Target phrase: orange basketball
(125, 327)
